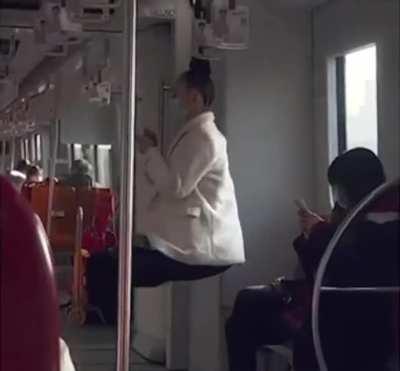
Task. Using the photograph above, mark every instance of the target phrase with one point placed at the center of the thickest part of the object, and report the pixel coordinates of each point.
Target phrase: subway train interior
(199, 185)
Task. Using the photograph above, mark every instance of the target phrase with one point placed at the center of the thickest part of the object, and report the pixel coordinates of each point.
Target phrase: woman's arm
(191, 160)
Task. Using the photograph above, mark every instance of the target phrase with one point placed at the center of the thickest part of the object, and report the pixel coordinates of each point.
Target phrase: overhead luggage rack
(20, 4)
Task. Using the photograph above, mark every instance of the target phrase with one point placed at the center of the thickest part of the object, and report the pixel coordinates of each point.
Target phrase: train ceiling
(29, 36)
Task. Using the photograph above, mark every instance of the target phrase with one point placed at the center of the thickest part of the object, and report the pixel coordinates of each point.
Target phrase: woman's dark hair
(198, 77)
(33, 170)
(22, 166)
(358, 171)
(81, 166)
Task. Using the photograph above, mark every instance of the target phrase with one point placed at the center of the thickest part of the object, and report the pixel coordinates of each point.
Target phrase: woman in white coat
(191, 223)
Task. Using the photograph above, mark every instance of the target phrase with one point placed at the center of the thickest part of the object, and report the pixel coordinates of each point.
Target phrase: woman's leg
(256, 320)
(152, 268)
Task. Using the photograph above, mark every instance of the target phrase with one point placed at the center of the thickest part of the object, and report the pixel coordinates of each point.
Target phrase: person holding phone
(280, 312)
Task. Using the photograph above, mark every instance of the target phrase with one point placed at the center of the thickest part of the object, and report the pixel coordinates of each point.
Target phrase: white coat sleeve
(65, 358)
(193, 157)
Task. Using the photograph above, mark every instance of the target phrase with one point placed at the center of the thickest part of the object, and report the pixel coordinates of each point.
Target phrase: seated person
(22, 166)
(276, 314)
(359, 330)
(34, 174)
(17, 179)
(80, 174)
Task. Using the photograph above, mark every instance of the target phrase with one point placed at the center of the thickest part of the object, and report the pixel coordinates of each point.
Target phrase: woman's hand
(147, 140)
(308, 220)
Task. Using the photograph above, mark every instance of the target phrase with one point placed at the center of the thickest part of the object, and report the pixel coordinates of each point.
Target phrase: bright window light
(361, 99)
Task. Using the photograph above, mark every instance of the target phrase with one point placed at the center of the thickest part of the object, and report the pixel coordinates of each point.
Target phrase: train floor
(93, 348)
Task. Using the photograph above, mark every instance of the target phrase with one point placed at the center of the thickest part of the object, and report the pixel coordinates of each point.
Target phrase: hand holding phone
(307, 218)
(302, 206)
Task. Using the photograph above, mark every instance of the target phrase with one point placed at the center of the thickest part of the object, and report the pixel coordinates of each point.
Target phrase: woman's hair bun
(200, 67)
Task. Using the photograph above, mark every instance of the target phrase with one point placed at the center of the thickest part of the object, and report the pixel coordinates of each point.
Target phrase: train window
(4, 148)
(357, 99)
(38, 147)
(26, 149)
(99, 156)
(76, 151)
(22, 149)
(32, 148)
(103, 165)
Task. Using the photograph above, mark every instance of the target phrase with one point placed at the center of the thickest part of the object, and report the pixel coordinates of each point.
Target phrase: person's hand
(147, 141)
(308, 220)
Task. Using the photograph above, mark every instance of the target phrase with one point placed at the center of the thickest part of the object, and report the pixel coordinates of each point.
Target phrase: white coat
(65, 357)
(193, 215)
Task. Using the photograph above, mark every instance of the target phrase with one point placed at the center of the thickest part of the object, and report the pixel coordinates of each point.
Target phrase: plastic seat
(29, 326)
(39, 198)
(27, 190)
(86, 198)
(63, 225)
(104, 206)
(98, 206)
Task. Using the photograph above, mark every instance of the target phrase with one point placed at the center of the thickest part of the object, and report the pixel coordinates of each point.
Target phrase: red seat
(63, 226)
(29, 326)
(105, 207)
(27, 191)
(86, 198)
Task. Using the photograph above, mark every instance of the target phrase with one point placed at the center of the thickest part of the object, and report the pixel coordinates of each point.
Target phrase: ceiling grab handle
(318, 288)
(127, 187)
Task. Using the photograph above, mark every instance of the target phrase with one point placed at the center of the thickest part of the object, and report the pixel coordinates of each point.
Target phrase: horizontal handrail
(370, 289)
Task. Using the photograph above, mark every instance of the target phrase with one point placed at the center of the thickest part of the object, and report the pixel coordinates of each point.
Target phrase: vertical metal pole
(22, 148)
(164, 96)
(32, 147)
(127, 184)
(12, 154)
(3, 156)
(52, 175)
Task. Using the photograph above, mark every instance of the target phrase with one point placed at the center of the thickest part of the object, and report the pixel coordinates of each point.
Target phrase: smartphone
(302, 205)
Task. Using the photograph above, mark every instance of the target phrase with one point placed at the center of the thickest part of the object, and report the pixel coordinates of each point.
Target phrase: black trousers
(256, 320)
(151, 268)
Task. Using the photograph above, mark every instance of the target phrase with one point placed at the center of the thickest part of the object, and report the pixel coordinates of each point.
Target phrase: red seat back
(63, 224)
(29, 327)
(86, 197)
(105, 207)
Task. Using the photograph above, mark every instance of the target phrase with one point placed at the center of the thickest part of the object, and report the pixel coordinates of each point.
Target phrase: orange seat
(29, 327)
(63, 223)
(98, 206)
(86, 198)
(27, 191)
(39, 198)
(105, 206)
